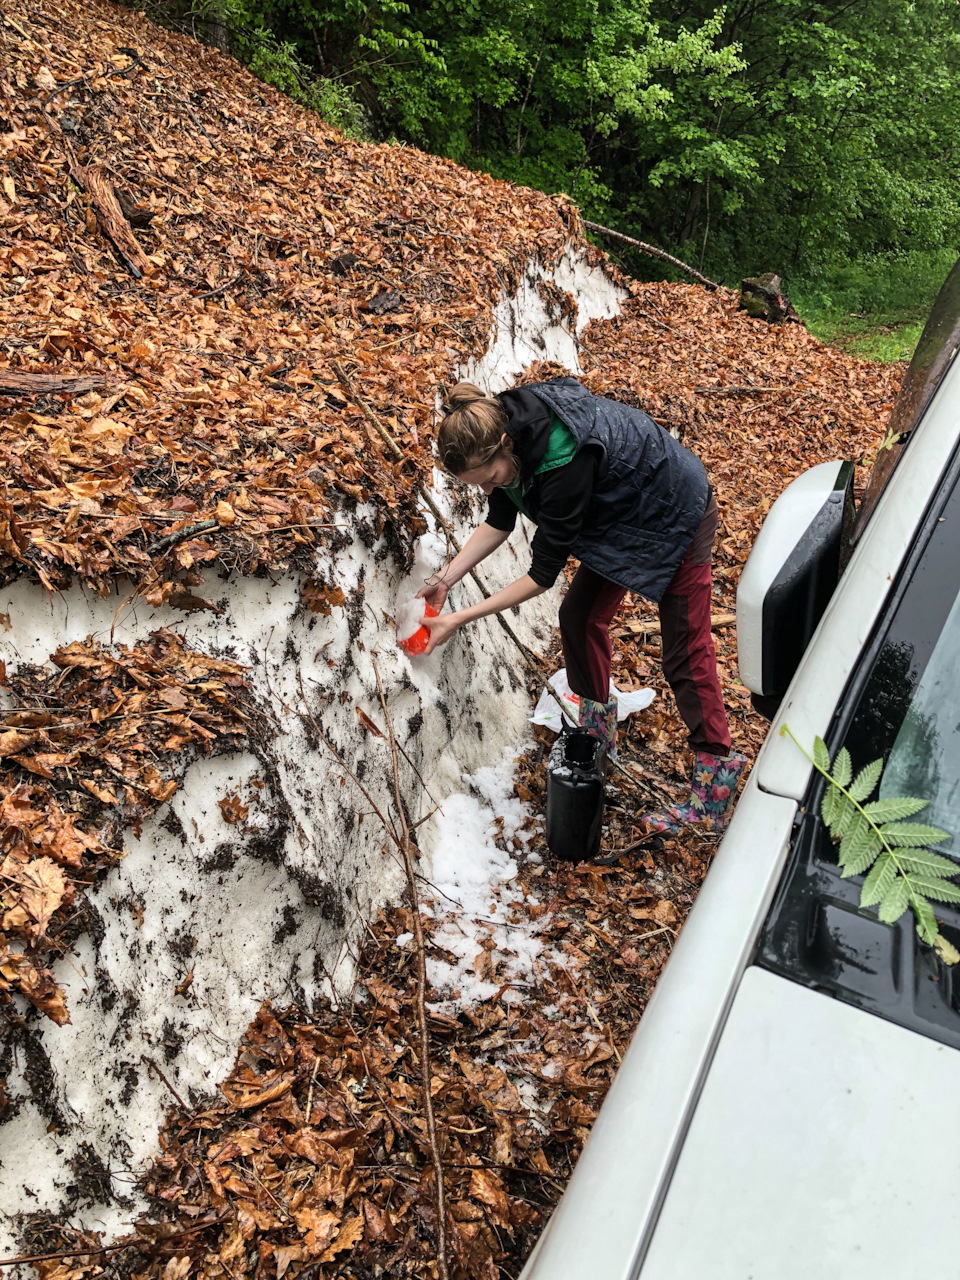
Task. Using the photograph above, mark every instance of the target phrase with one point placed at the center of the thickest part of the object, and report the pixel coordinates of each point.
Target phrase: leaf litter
(206, 428)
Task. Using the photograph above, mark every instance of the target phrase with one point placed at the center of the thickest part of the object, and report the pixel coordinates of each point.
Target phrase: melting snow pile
(481, 913)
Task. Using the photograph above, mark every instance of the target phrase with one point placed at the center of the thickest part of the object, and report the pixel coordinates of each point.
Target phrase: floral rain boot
(600, 720)
(713, 790)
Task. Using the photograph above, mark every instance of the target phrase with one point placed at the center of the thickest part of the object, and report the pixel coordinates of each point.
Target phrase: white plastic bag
(548, 713)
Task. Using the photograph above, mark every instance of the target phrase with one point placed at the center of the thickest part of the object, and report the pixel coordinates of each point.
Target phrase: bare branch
(425, 1069)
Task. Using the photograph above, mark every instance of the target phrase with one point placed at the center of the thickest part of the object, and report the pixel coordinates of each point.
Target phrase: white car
(789, 1107)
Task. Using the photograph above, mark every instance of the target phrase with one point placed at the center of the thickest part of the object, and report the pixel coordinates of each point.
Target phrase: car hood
(816, 1148)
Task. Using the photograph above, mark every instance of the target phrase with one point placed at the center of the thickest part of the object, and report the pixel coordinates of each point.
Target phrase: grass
(875, 308)
(884, 338)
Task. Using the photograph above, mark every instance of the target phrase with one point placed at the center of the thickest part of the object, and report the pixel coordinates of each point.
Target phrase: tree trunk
(761, 298)
(217, 31)
(688, 231)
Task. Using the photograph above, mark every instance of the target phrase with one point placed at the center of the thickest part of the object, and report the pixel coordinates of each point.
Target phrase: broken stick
(95, 181)
(652, 252)
(653, 628)
(15, 383)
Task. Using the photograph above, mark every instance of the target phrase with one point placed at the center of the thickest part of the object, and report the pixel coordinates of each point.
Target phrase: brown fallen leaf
(488, 1189)
(13, 741)
(43, 888)
(319, 1228)
(368, 723)
(284, 1255)
(233, 809)
(245, 1098)
(349, 1234)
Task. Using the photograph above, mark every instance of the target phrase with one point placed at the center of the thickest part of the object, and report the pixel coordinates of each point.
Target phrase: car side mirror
(789, 577)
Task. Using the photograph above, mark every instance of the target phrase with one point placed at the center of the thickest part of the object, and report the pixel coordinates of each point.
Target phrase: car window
(903, 704)
(909, 708)
(935, 351)
(925, 758)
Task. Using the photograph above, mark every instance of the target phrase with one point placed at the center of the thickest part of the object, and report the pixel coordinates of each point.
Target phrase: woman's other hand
(435, 594)
(441, 629)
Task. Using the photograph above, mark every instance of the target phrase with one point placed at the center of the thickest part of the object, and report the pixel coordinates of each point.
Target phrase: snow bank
(204, 919)
(532, 324)
(471, 847)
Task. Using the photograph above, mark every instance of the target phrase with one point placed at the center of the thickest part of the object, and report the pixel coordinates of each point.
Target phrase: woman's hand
(441, 629)
(435, 594)
(478, 546)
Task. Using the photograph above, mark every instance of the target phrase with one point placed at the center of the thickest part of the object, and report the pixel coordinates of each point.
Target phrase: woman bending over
(604, 484)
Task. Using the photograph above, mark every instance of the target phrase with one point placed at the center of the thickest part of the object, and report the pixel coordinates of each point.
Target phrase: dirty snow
(474, 847)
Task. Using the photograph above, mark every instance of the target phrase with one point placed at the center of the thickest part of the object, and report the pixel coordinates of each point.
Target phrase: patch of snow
(529, 326)
(472, 892)
(408, 617)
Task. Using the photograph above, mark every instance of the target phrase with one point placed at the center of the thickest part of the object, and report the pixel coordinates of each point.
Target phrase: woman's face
(500, 470)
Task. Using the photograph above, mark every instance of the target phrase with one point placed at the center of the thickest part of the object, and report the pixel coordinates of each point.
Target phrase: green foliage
(872, 837)
(277, 63)
(272, 58)
(876, 307)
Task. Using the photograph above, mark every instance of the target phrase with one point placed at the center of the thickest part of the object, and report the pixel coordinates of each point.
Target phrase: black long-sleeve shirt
(562, 497)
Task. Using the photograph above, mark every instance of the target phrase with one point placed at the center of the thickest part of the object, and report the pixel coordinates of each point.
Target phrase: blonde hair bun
(463, 393)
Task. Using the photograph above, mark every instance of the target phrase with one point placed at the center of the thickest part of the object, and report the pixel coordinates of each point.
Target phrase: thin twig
(313, 1083)
(70, 1253)
(420, 821)
(137, 61)
(181, 535)
(421, 990)
(659, 324)
(222, 288)
(153, 1067)
(664, 928)
(132, 1242)
(749, 391)
(653, 253)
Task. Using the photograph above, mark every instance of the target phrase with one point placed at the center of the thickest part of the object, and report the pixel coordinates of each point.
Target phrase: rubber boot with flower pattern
(600, 721)
(713, 790)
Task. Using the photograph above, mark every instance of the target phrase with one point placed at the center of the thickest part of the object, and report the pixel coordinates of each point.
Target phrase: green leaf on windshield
(901, 871)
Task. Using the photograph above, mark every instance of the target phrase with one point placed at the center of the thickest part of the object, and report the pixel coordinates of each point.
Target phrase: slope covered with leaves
(261, 245)
(265, 247)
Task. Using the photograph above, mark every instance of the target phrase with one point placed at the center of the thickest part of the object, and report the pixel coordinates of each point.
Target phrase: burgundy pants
(689, 658)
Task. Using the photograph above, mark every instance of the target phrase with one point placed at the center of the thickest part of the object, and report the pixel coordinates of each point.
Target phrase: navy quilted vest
(650, 493)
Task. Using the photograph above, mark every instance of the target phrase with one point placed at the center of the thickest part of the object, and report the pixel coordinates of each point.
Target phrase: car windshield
(925, 759)
(936, 349)
(909, 710)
